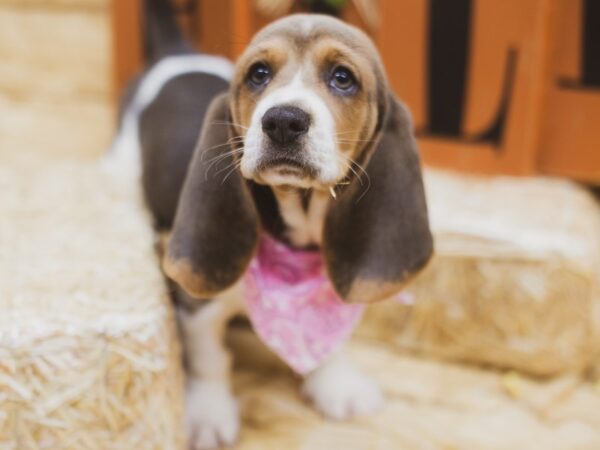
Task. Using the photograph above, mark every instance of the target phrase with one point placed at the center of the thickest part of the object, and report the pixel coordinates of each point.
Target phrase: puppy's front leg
(211, 410)
(340, 391)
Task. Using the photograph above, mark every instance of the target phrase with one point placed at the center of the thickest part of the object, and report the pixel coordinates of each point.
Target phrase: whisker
(219, 145)
(368, 181)
(349, 161)
(230, 152)
(204, 152)
(361, 168)
(232, 141)
(354, 172)
(219, 158)
(228, 166)
(236, 166)
(234, 149)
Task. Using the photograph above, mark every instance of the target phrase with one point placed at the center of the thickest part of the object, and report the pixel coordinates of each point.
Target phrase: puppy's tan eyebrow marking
(331, 53)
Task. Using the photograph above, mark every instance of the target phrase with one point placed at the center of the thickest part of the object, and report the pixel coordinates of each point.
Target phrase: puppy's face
(305, 100)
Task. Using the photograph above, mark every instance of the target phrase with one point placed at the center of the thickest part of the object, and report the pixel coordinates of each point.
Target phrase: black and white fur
(161, 119)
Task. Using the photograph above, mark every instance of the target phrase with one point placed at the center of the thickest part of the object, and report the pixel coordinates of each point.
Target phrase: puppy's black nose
(285, 124)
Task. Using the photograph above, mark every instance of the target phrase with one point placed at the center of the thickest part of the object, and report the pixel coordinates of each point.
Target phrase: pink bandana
(293, 306)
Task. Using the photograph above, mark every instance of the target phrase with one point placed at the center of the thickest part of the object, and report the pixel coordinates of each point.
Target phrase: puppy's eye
(259, 74)
(342, 80)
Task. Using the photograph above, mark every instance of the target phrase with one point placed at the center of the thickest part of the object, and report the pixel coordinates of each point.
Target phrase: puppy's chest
(303, 215)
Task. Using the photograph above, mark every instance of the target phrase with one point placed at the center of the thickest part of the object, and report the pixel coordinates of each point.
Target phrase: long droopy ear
(376, 234)
(215, 232)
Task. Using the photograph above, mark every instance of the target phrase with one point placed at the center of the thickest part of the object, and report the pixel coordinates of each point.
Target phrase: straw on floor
(431, 405)
(89, 357)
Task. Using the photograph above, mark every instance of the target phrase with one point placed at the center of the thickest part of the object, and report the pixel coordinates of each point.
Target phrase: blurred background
(507, 87)
(496, 346)
(494, 88)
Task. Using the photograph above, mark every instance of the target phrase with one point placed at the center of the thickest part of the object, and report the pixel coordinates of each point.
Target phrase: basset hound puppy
(305, 164)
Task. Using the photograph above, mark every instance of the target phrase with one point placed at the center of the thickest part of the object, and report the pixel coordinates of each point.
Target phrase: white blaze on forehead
(320, 146)
(307, 25)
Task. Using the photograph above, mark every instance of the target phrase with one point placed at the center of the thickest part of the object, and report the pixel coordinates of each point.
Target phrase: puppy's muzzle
(285, 125)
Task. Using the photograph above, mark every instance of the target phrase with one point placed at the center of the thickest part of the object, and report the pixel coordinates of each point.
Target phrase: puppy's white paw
(212, 415)
(339, 391)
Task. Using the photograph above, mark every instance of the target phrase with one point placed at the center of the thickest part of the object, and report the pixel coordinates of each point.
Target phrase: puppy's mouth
(285, 170)
(287, 165)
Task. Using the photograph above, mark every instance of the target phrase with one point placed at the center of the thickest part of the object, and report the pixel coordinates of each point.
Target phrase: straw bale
(58, 4)
(71, 127)
(88, 352)
(63, 53)
(515, 279)
(55, 78)
(430, 405)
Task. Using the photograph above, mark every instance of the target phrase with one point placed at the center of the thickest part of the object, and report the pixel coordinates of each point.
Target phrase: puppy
(307, 148)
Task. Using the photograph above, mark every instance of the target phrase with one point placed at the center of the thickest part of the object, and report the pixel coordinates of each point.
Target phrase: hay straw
(430, 405)
(88, 355)
(515, 280)
(89, 359)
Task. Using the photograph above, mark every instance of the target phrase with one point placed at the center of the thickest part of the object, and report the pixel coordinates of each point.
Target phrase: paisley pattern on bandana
(293, 307)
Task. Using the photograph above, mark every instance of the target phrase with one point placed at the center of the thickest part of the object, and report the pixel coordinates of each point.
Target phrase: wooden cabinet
(471, 72)
(570, 129)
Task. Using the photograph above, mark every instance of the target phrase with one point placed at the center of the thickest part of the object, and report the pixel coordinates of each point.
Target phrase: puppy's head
(309, 107)
(307, 95)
